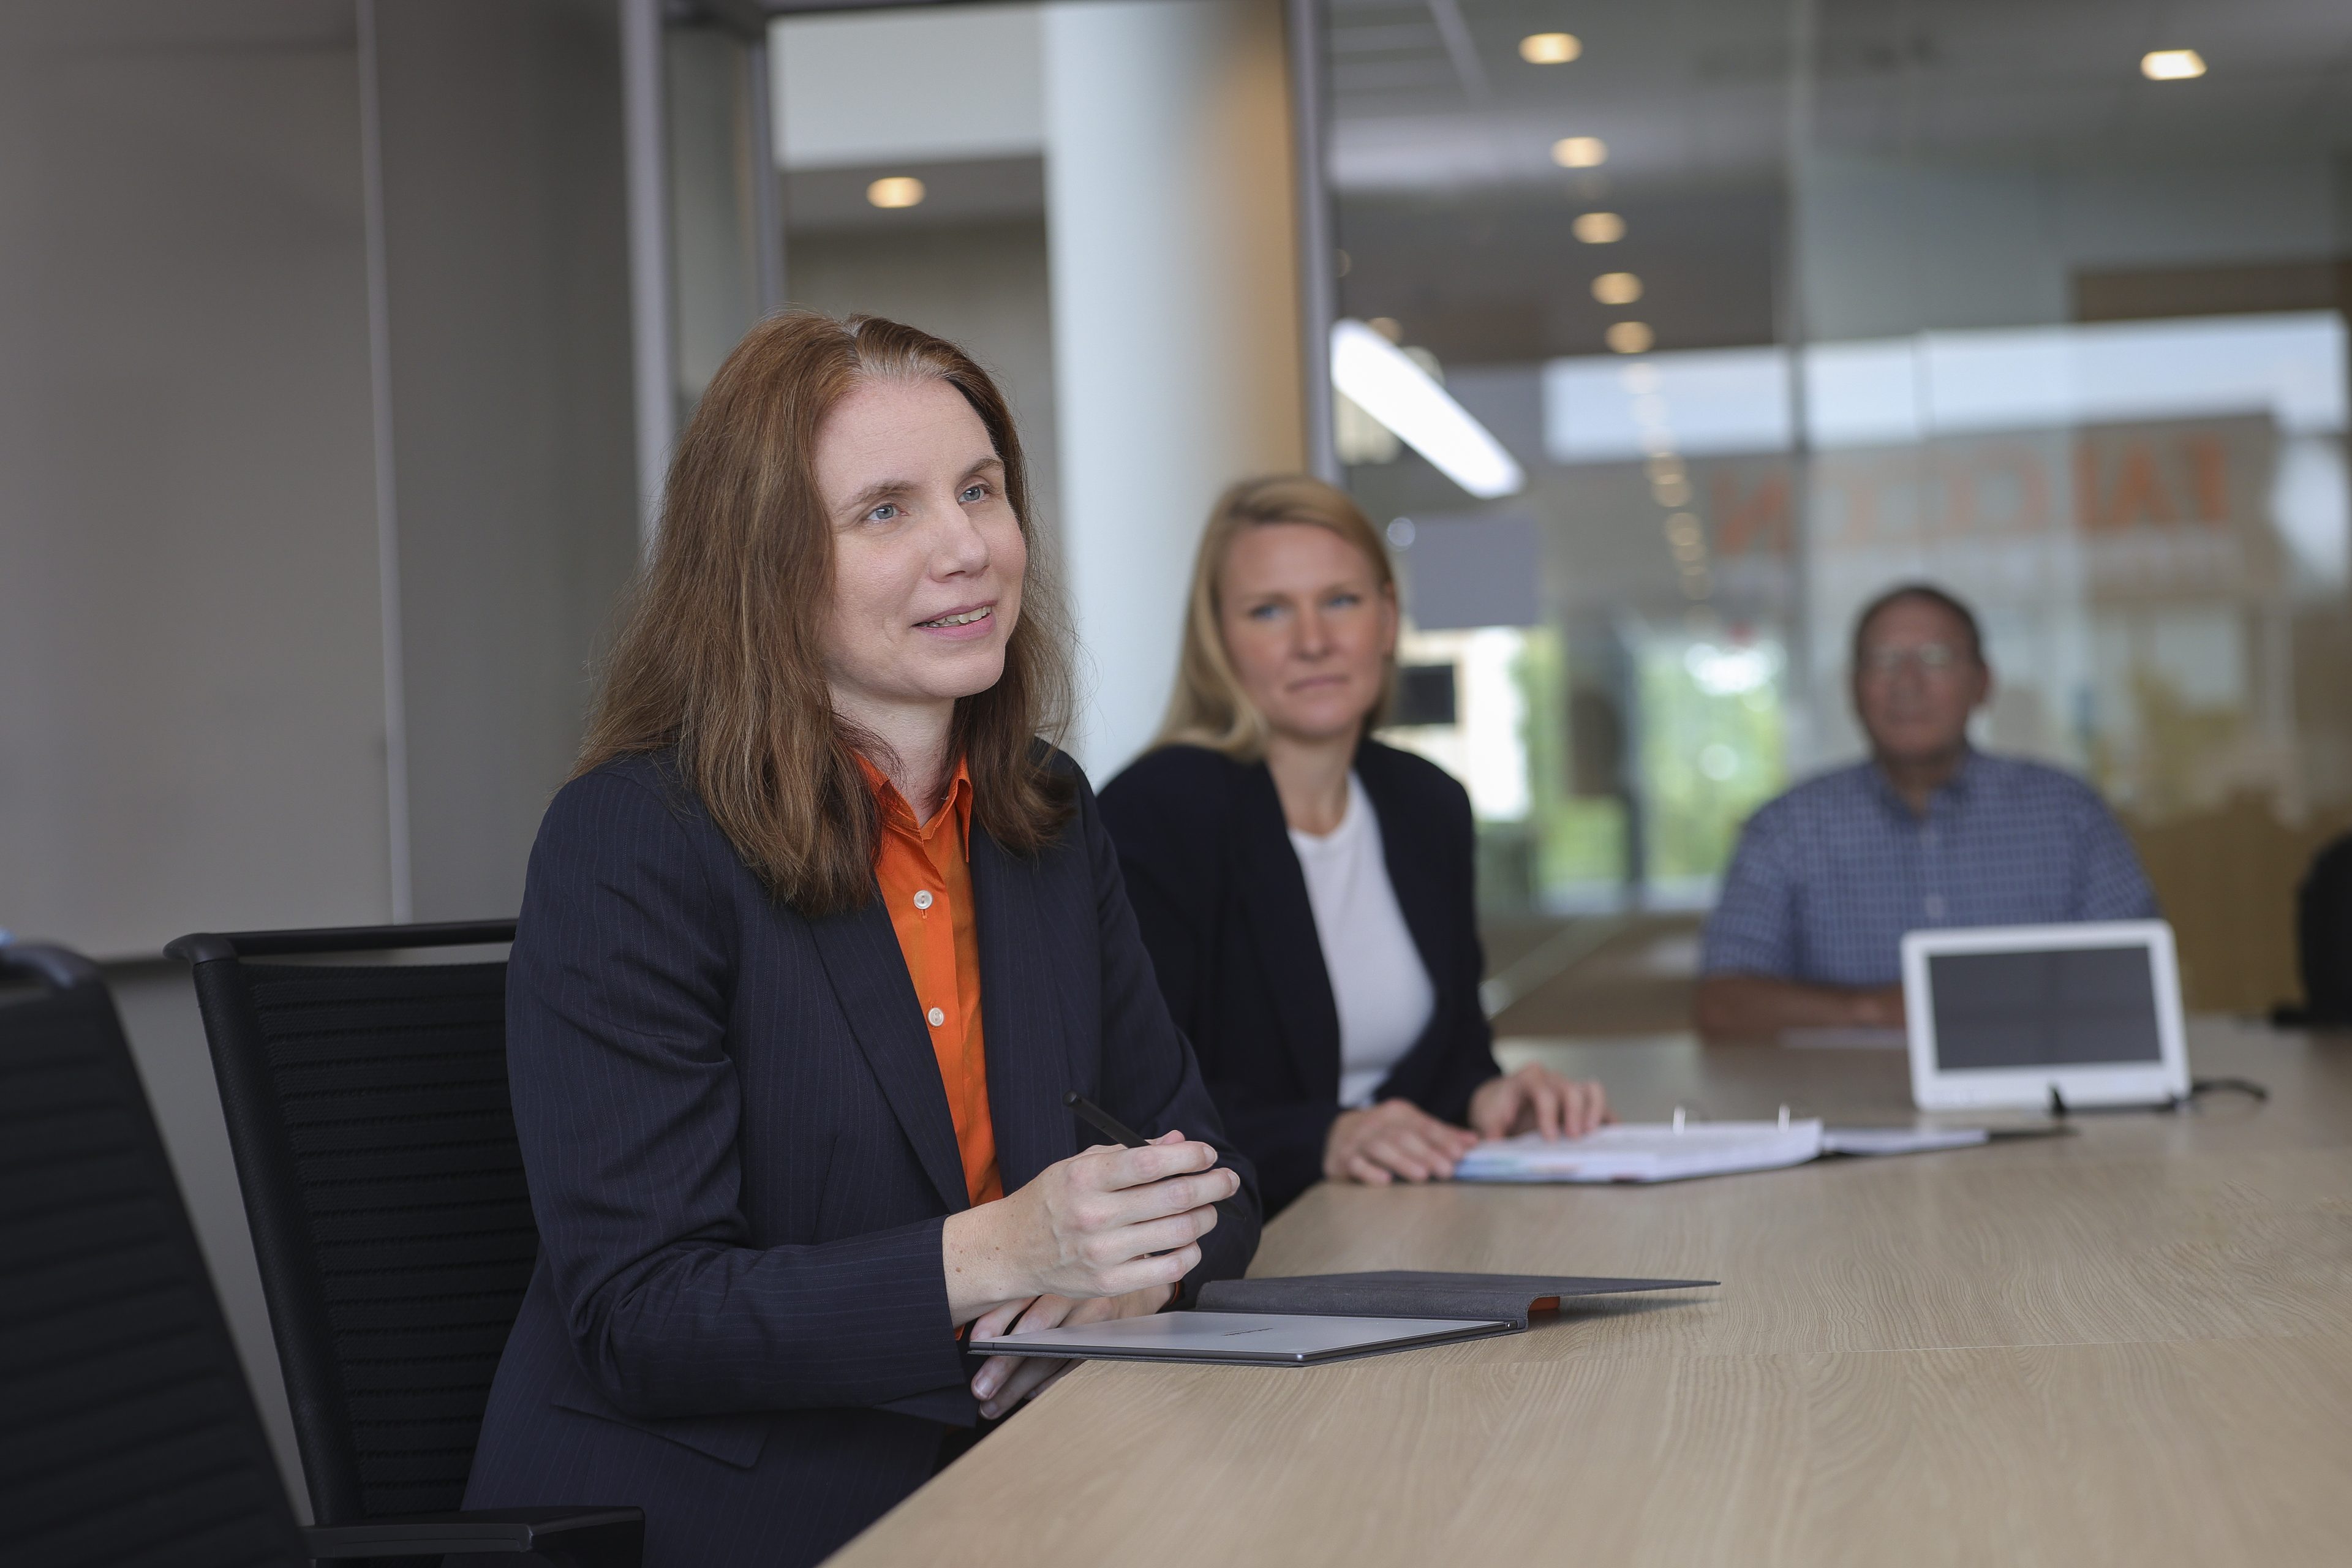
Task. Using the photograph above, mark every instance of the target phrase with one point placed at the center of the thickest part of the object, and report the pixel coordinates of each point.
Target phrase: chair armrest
(583, 1537)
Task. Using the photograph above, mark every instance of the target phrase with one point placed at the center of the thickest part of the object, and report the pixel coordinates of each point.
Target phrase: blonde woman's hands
(1393, 1140)
(1537, 1099)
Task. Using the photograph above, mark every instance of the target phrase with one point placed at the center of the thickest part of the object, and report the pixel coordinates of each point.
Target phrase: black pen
(1102, 1120)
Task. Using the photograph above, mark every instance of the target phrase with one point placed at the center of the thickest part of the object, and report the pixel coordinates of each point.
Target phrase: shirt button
(1934, 906)
(938, 1016)
(923, 899)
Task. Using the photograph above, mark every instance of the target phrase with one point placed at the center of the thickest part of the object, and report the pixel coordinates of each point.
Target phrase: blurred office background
(1777, 304)
(341, 343)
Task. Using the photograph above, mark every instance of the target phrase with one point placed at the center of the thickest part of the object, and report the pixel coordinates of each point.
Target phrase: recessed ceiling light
(1617, 288)
(1629, 337)
(896, 191)
(1597, 228)
(1550, 49)
(2171, 65)
(1579, 152)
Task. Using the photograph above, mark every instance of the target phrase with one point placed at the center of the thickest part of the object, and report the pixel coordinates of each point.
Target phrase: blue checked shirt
(1829, 876)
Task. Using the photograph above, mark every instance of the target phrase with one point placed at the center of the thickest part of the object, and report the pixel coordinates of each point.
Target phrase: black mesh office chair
(368, 1111)
(127, 1433)
(2323, 937)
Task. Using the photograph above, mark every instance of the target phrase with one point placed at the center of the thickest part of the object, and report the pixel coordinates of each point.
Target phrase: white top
(1377, 980)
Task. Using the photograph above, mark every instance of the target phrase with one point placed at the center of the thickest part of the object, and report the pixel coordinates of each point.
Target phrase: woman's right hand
(1108, 1222)
(1395, 1139)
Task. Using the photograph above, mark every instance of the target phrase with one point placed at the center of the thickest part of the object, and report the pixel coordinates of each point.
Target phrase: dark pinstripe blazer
(741, 1157)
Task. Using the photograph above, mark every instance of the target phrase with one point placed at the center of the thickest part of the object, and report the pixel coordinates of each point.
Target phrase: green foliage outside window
(1711, 749)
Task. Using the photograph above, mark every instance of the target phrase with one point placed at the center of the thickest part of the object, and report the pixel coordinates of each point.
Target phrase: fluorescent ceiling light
(1599, 228)
(896, 191)
(2171, 65)
(1579, 152)
(1377, 377)
(1549, 49)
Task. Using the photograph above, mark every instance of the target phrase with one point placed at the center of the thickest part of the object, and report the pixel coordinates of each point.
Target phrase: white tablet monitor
(2002, 1015)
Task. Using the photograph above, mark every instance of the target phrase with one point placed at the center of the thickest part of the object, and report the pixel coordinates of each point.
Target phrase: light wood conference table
(2131, 1345)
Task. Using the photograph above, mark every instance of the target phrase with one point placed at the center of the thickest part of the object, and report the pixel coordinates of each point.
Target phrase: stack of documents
(1644, 1151)
(1901, 1140)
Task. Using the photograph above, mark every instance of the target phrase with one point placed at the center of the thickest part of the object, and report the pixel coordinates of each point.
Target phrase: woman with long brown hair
(1306, 892)
(813, 945)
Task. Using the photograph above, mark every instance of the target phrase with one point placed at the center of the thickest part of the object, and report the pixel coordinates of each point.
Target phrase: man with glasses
(1928, 832)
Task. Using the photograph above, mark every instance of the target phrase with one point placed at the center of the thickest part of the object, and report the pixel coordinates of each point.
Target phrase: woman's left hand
(1004, 1380)
(1537, 1099)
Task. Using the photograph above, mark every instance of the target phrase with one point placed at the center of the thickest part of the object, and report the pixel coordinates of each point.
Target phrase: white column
(1176, 352)
(653, 329)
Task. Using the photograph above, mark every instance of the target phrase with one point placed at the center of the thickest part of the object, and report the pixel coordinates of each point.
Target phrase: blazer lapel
(861, 957)
(1023, 1019)
(1274, 894)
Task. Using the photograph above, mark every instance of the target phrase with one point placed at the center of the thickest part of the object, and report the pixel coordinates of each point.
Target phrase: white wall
(508, 286)
(921, 84)
(714, 241)
(982, 287)
(192, 721)
(1175, 315)
(193, 718)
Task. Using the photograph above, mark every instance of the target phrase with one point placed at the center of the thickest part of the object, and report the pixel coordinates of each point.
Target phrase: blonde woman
(1306, 892)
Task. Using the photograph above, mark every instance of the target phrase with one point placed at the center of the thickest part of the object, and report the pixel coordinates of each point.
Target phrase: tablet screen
(2063, 1007)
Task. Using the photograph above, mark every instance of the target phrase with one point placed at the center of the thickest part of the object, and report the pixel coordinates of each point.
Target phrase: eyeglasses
(1929, 659)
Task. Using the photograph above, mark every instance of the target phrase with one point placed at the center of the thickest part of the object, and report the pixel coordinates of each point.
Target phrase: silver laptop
(1277, 1339)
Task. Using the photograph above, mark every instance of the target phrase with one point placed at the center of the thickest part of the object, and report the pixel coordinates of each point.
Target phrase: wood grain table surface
(2132, 1345)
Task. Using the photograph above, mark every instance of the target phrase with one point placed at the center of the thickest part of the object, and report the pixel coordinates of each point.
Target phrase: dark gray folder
(1415, 1293)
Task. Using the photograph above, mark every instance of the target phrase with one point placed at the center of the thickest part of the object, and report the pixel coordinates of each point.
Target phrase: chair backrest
(368, 1111)
(2323, 935)
(127, 1431)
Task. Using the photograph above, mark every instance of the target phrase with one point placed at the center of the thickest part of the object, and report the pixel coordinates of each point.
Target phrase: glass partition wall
(1771, 305)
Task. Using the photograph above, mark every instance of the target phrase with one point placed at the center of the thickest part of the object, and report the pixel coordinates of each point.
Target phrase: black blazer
(740, 1158)
(1223, 904)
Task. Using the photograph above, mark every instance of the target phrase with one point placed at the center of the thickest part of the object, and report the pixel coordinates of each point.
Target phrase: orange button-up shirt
(925, 871)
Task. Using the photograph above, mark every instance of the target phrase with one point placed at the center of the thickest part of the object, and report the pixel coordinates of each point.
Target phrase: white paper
(1900, 1139)
(1644, 1151)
